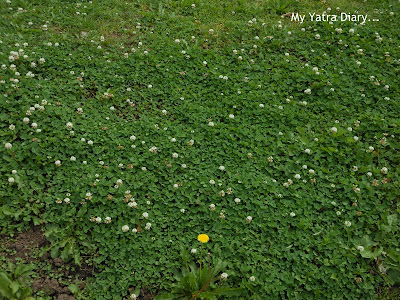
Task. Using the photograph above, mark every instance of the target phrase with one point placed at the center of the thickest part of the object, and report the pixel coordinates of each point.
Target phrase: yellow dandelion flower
(203, 238)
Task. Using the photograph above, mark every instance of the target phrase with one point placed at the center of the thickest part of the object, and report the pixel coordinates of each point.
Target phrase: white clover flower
(308, 151)
(249, 219)
(338, 213)
(132, 137)
(90, 143)
(355, 168)
(311, 171)
(212, 207)
(182, 210)
(212, 181)
(125, 228)
(334, 129)
(211, 31)
(14, 172)
(360, 248)
(119, 182)
(270, 159)
(153, 149)
(175, 186)
(351, 31)
(145, 215)
(11, 180)
(222, 168)
(304, 167)
(384, 170)
(164, 112)
(69, 125)
(211, 124)
(8, 146)
(134, 230)
(252, 278)
(184, 166)
(297, 176)
(347, 223)
(356, 138)
(11, 127)
(231, 116)
(237, 200)
(132, 204)
(224, 276)
(193, 251)
(292, 214)
(369, 174)
(175, 155)
(148, 226)
(307, 91)
(98, 220)
(67, 200)
(73, 158)
(57, 163)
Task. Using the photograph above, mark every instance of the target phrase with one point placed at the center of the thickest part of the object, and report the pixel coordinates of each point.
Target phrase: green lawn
(128, 128)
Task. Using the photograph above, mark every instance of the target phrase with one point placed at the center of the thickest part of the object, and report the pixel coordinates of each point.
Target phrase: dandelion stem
(201, 252)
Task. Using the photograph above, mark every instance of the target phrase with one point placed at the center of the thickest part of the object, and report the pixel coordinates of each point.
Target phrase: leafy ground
(130, 127)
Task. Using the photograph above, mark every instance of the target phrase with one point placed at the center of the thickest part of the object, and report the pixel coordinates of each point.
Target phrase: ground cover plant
(129, 128)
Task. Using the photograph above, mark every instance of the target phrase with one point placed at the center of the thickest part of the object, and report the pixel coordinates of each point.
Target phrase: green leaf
(73, 288)
(5, 283)
(394, 276)
(55, 252)
(137, 291)
(14, 286)
(392, 220)
(77, 258)
(228, 291)
(165, 297)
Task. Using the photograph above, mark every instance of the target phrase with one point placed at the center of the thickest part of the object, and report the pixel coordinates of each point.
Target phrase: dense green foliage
(279, 140)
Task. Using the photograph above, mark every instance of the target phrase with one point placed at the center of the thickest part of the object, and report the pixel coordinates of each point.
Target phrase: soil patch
(27, 246)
